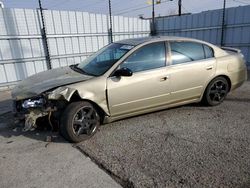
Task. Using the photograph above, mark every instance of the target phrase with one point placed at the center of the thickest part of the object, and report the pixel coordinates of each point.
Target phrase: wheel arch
(228, 80)
(219, 75)
(76, 97)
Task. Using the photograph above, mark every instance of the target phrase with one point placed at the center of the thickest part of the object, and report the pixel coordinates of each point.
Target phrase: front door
(149, 85)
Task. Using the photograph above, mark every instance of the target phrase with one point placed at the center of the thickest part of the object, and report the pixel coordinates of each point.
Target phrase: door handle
(209, 67)
(164, 78)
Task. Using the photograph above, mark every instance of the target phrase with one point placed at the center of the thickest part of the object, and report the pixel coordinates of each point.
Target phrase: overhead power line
(68, 1)
(187, 11)
(95, 3)
(242, 2)
(140, 8)
(60, 3)
(128, 8)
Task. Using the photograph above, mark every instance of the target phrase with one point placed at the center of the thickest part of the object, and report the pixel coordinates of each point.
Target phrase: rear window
(208, 51)
(183, 52)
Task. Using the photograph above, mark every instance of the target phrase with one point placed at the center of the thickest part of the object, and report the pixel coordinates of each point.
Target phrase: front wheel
(216, 91)
(79, 121)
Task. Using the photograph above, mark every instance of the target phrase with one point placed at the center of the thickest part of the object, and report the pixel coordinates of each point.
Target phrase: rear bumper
(238, 78)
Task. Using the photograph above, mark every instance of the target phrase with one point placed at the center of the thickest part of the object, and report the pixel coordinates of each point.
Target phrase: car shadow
(8, 129)
(5, 106)
(246, 100)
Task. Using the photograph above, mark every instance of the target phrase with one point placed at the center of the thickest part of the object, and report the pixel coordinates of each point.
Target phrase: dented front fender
(61, 93)
(93, 90)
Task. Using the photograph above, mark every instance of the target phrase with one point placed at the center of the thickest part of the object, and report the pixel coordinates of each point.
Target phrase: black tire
(78, 122)
(216, 91)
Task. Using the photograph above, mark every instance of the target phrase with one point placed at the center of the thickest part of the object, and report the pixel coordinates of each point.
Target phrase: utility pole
(179, 5)
(153, 18)
(110, 23)
(223, 23)
(44, 37)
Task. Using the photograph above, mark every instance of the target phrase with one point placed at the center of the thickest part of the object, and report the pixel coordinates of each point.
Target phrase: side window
(208, 51)
(183, 52)
(147, 57)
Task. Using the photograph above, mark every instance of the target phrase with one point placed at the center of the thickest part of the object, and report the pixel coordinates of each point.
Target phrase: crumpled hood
(41, 82)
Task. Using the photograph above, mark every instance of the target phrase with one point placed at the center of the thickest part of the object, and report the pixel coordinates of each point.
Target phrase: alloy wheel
(85, 121)
(218, 91)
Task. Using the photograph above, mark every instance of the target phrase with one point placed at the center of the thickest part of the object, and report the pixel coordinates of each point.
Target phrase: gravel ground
(188, 146)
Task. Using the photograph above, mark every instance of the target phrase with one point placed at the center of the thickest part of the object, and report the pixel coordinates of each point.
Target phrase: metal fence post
(110, 24)
(179, 7)
(44, 37)
(223, 23)
(153, 31)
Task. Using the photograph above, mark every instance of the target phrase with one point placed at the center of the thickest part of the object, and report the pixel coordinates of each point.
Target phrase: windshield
(104, 59)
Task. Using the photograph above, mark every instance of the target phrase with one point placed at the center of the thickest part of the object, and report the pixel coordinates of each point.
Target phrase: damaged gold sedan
(128, 78)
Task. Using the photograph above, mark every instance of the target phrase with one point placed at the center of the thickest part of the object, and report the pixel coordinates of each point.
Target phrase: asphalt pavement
(188, 146)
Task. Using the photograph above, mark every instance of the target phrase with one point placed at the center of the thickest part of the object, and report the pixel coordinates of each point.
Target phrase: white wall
(72, 36)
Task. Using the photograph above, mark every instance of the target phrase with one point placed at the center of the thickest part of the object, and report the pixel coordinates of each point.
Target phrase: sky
(126, 7)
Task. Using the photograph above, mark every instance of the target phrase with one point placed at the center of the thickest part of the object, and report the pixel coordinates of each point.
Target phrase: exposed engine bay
(48, 105)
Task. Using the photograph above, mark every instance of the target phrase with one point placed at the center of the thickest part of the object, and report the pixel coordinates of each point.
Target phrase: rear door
(192, 65)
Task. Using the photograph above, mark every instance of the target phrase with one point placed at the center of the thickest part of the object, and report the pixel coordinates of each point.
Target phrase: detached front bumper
(30, 109)
(30, 115)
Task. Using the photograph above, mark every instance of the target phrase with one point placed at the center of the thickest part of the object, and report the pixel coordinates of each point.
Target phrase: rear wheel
(216, 91)
(79, 121)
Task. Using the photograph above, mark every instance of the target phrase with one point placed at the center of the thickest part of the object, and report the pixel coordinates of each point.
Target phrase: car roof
(140, 40)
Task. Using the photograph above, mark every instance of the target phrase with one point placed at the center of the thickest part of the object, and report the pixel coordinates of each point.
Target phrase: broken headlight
(33, 103)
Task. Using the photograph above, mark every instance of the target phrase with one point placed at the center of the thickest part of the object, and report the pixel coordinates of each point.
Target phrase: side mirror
(123, 72)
